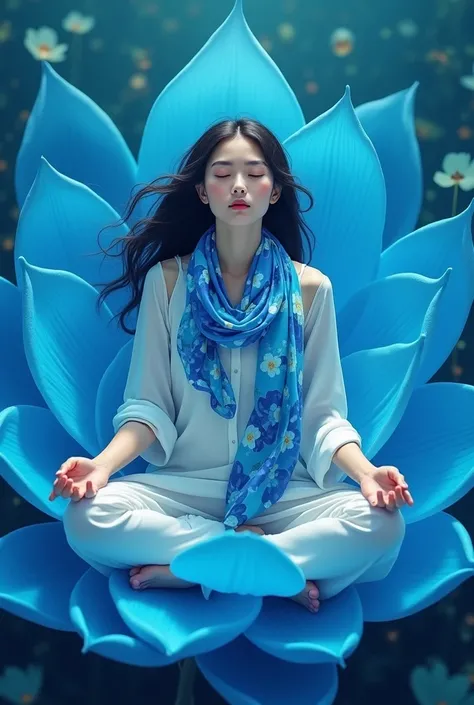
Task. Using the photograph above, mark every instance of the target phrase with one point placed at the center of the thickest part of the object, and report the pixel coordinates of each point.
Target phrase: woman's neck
(236, 248)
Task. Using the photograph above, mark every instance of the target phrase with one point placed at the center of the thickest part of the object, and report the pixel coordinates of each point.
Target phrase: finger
(60, 484)
(380, 499)
(400, 500)
(77, 494)
(408, 498)
(67, 491)
(90, 489)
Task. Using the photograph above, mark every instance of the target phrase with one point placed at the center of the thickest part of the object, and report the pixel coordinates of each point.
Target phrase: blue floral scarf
(271, 311)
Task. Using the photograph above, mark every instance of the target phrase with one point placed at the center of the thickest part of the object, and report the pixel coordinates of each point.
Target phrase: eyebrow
(254, 161)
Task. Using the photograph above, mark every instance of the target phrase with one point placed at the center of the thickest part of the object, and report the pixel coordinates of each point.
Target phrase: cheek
(264, 190)
(216, 191)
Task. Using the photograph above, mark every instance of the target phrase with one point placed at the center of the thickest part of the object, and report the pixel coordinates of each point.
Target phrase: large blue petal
(244, 675)
(181, 623)
(109, 398)
(248, 565)
(389, 310)
(69, 217)
(390, 124)
(436, 556)
(217, 85)
(285, 630)
(333, 157)
(27, 462)
(78, 139)
(378, 386)
(16, 383)
(430, 251)
(38, 572)
(104, 632)
(433, 446)
(68, 346)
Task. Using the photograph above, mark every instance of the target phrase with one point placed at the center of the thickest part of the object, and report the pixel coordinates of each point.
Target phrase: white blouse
(195, 447)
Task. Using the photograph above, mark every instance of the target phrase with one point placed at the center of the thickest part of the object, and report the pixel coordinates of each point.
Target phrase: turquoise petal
(248, 565)
(69, 217)
(78, 139)
(68, 346)
(29, 464)
(435, 558)
(180, 622)
(244, 675)
(389, 310)
(96, 619)
(430, 251)
(16, 383)
(386, 376)
(288, 631)
(433, 446)
(38, 572)
(109, 398)
(390, 124)
(217, 86)
(333, 157)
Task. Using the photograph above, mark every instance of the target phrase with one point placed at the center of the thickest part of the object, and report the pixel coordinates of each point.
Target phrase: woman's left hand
(386, 487)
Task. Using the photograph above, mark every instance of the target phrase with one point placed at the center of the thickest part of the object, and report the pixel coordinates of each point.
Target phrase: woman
(238, 434)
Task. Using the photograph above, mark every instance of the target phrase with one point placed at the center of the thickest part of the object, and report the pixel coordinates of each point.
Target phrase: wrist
(353, 462)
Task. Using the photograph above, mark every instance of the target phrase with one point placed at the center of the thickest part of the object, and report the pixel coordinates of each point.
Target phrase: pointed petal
(181, 623)
(38, 572)
(334, 158)
(390, 125)
(69, 217)
(16, 383)
(217, 85)
(244, 675)
(96, 619)
(433, 447)
(248, 565)
(436, 556)
(109, 398)
(285, 630)
(430, 251)
(389, 310)
(29, 464)
(386, 376)
(78, 139)
(68, 346)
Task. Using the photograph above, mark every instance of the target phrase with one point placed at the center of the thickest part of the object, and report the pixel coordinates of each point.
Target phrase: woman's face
(245, 175)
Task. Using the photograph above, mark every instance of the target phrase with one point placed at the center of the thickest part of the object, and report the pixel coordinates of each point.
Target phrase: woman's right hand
(79, 477)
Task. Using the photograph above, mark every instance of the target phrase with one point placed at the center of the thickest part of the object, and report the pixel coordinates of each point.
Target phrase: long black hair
(181, 218)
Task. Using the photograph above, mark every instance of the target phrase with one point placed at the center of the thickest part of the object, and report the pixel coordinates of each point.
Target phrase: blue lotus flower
(402, 299)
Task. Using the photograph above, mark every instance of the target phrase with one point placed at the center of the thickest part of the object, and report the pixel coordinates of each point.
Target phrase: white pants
(337, 538)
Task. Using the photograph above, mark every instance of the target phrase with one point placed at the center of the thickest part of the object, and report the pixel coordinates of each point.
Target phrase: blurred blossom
(464, 132)
(77, 23)
(286, 31)
(43, 44)
(439, 57)
(138, 81)
(468, 81)
(433, 685)
(407, 28)
(170, 24)
(386, 32)
(458, 170)
(342, 42)
(19, 686)
(5, 31)
(428, 130)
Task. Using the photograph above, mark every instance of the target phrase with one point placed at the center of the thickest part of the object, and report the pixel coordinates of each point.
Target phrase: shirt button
(233, 441)
(236, 370)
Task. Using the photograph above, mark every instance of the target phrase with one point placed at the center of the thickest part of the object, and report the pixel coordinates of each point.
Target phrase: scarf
(271, 311)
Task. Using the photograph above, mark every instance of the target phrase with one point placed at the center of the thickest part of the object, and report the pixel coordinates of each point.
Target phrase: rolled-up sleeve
(325, 427)
(147, 397)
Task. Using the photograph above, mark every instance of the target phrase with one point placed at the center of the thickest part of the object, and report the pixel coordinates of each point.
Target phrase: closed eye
(254, 176)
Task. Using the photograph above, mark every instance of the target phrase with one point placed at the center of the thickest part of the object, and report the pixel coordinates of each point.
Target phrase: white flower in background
(458, 170)
(43, 44)
(468, 81)
(342, 41)
(77, 23)
(407, 28)
(21, 686)
(434, 685)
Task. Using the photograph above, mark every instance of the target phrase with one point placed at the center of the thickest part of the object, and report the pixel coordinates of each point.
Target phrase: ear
(201, 192)
(276, 193)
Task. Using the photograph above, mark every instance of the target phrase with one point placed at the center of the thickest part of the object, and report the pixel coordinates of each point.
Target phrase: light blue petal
(390, 124)
(430, 251)
(333, 157)
(248, 565)
(433, 447)
(104, 632)
(244, 675)
(389, 310)
(285, 630)
(68, 346)
(29, 464)
(109, 398)
(69, 217)
(231, 76)
(16, 383)
(378, 385)
(435, 558)
(78, 139)
(38, 572)
(181, 623)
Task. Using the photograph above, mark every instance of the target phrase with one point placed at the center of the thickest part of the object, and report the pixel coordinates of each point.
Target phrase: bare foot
(155, 576)
(247, 527)
(308, 597)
